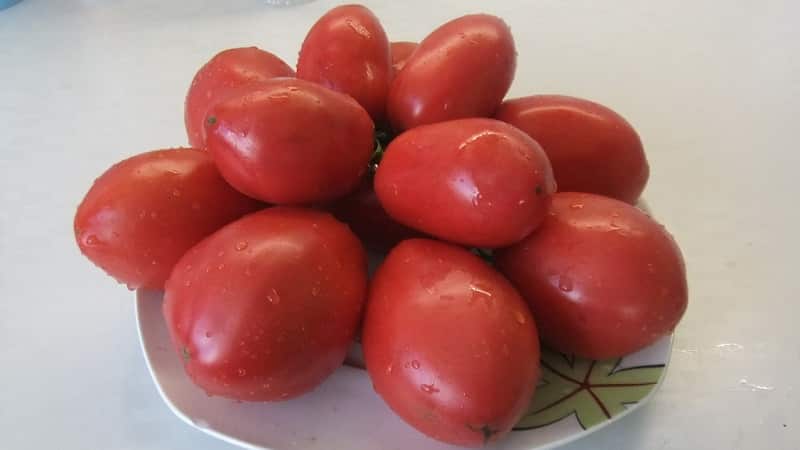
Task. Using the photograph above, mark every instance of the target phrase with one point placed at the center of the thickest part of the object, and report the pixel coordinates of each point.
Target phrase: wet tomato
(143, 213)
(592, 148)
(347, 51)
(449, 343)
(230, 68)
(265, 308)
(291, 141)
(462, 69)
(477, 182)
(602, 278)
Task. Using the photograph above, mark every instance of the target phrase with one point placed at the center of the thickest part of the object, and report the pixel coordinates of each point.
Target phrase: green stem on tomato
(382, 139)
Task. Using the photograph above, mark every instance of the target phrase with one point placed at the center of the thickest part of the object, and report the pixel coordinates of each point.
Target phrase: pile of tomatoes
(500, 222)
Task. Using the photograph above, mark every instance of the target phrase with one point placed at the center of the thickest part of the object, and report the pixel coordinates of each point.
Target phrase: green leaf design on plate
(595, 391)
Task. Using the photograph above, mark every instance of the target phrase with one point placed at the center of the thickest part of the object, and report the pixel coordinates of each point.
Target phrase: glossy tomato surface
(592, 148)
(462, 69)
(363, 212)
(401, 51)
(143, 213)
(230, 68)
(265, 308)
(291, 141)
(449, 344)
(602, 278)
(347, 51)
(477, 182)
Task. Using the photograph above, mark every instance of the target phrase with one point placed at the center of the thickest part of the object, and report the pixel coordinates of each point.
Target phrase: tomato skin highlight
(265, 308)
(228, 69)
(476, 182)
(347, 50)
(449, 343)
(291, 141)
(602, 278)
(143, 213)
(592, 148)
(462, 69)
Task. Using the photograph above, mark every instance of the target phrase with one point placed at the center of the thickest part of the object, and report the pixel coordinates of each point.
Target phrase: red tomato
(449, 344)
(347, 51)
(602, 277)
(291, 141)
(368, 220)
(477, 182)
(463, 69)
(401, 51)
(265, 308)
(228, 69)
(143, 213)
(592, 148)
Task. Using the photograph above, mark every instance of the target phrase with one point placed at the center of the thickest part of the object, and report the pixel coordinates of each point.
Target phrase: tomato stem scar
(186, 354)
(486, 430)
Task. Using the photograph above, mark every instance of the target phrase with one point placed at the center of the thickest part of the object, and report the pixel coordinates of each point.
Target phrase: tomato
(347, 51)
(143, 213)
(401, 51)
(449, 343)
(368, 220)
(291, 141)
(592, 148)
(228, 69)
(266, 307)
(463, 69)
(477, 182)
(602, 277)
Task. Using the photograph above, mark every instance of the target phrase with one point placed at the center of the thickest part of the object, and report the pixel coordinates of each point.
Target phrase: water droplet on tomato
(208, 334)
(479, 291)
(429, 388)
(315, 291)
(415, 364)
(576, 206)
(520, 317)
(565, 283)
(241, 372)
(187, 283)
(176, 192)
(221, 266)
(273, 297)
(91, 240)
(476, 199)
(241, 245)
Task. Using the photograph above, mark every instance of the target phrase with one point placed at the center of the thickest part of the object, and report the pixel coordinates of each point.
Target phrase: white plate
(575, 398)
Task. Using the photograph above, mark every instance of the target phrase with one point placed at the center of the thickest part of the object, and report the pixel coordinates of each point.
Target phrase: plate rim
(183, 416)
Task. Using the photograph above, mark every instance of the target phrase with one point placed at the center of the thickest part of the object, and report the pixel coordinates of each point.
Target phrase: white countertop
(712, 87)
